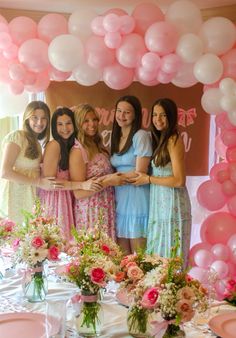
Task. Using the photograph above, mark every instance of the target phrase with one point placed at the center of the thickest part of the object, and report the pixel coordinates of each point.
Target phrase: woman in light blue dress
(170, 207)
(130, 151)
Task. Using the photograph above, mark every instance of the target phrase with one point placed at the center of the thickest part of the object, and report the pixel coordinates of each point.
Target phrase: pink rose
(53, 253)
(150, 297)
(97, 276)
(184, 308)
(128, 265)
(37, 242)
(135, 273)
(8, 225)
(119, 276)
(15, 244)
(105, 248)
(127, 259)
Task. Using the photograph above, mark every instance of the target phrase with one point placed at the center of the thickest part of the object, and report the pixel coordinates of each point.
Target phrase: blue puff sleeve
(142, 143)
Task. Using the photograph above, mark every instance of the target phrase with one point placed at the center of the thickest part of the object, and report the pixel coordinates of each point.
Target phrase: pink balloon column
(217, 251)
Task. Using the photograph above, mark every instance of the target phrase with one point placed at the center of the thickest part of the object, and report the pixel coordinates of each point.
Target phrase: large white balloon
(65, 52)
(228, 86)
(210, 101)
(190, 47)
(86, 75)
(218, 35)
(10, 104)
(79, 23)
(208, 69)
(228, 103)
(185, 16)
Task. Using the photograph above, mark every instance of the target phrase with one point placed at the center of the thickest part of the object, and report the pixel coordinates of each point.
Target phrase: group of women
(136, 190)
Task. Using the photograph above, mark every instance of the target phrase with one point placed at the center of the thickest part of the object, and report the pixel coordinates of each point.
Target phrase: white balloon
(210, 101)
(11, 105)
(65, 52)
(79, 23)
(218, 35)
(185, 78)
(190, 47)
(227, 86)
(185, 16)
(228, 103)
(86, 75)
(208, 69)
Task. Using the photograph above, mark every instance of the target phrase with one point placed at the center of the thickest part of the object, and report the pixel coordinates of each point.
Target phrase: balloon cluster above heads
(118, 48)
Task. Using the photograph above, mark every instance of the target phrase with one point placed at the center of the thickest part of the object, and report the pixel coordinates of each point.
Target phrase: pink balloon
(199, 273)
(97, 26)
(221, 252)
(5, 40)
(33, 54)
(229, 188)
(232, 171)
(231, 154)
(11, 52)
(52, 25)
(220, 287)
(118, 77)
(164, 77)
(112, 40)
(185, 77)
(216, 168)
(22, 29)
(170, 63)
(150, 83)
(203, 258)
(151, 61)
(233, 257)
(229, 137)
(41, 84)
(17, 71)
(229, 62)
(232, 269)
(131, 50)
(231, 204)
(222, 176)
(127, 24)
(145, 14)
(220, 268)
(111, 22)
(218, 228)
(57, 75)
(196, 248)
(210, 195)
(117, 11)
(161, 37)
(16, 87)
(4, 75)
(4, 27)
(223, 122)
(30, 78)
(98, 54)
(220, 148)
(143, 74)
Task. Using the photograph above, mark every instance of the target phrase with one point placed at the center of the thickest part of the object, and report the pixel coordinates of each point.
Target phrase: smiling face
(125, 114)
(65, 126)
(38, 121)
(159, 118)
(90, 124)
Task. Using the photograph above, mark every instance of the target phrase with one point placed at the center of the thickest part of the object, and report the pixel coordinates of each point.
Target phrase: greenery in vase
(35, 287)
(137, 319)
(90, 313)
(173, 331)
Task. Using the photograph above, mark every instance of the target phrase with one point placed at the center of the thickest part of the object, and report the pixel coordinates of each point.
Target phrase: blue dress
(132, 203)
(170, 209)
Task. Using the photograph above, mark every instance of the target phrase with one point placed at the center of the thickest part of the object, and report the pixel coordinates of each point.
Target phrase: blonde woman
(88, 158)
(20, 167)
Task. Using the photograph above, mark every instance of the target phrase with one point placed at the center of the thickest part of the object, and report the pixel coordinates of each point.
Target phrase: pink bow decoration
(159, 328)
(186, 117)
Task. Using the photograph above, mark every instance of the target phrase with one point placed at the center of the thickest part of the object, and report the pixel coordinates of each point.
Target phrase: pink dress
(60, 204)
(102, 203)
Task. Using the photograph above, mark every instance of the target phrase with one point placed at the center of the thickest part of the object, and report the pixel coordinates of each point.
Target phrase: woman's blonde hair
(33, 150)
(80, 112)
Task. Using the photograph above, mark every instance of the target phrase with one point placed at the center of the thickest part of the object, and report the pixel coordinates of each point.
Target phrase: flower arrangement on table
(95, 261)
(6, 228)
(230, 292)
(167, 295)
(34, 241)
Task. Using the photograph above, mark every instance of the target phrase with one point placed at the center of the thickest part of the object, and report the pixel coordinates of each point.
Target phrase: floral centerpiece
(95, 258)
(34, 241)
(230, 292)
(6, 228)
(169, 296)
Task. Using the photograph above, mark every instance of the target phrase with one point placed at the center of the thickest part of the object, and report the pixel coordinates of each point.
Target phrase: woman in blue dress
(130, 151)
(170, 208)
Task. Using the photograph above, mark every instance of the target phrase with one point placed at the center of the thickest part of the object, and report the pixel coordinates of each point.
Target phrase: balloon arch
(151, 47)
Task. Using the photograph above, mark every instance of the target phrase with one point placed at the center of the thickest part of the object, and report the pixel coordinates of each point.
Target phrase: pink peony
(53, 253)
(37, 242)
(135, 273)
(150, 298)
(97, 276)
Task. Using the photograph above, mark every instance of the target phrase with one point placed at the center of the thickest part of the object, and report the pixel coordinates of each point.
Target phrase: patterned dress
(132, 203)
(170, 209)
(15, 197)
(60, 204)
(88, 210)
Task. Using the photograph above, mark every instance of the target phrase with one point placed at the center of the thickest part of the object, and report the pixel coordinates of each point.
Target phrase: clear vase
(174, 331)
(89, 322)
(137, 322)
(35, 285)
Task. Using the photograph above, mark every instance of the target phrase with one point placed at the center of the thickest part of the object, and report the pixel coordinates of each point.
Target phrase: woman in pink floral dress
(88, 158)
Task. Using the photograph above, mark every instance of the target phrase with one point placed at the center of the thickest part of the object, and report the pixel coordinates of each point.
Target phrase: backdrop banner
(194, 122)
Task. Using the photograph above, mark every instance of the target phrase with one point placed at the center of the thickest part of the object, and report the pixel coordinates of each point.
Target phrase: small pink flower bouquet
(230, 293)
(6, 228)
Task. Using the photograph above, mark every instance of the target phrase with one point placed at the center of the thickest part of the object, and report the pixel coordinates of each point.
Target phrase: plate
(224, 324)
(27, 325)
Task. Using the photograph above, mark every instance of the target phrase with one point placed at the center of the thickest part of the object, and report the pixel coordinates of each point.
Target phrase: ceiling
(69, 6)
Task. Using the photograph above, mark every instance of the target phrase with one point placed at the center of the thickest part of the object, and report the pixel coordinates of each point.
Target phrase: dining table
(12, 301)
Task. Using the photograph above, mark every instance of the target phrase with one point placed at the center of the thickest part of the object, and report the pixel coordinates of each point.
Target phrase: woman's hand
(51, 183)
(140, 179)
(93, 184)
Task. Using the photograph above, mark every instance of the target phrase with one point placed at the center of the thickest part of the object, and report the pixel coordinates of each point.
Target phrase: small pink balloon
(112, 40)
(30, 78)
(151, 61)
(199, 273)
(16, 87)
(196, 248)
(5, 40)
(111, 22)
(170, 63)
(17, 71)
(220, 287)
(222, 176)
(127, 24)
(229, 188)
(220, 268)
(143, 74)
(57, 75)
(4, 27)
(229, 62)
(41, 84)
(52, 25)
(216, 168)
(118, 77)
(231, 204)
(229, 137)
(204, 258)
(11, 52)
(231, 154)
(164, 77)
(223, 122)
(98, 54)
(210, 195)
(232, 269)
(221, 252)
(22, 29)
(97, 26)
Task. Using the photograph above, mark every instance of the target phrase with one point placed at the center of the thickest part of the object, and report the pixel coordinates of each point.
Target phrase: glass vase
(35, 285)
(174, 331)
(137, 321)
(89, 322)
